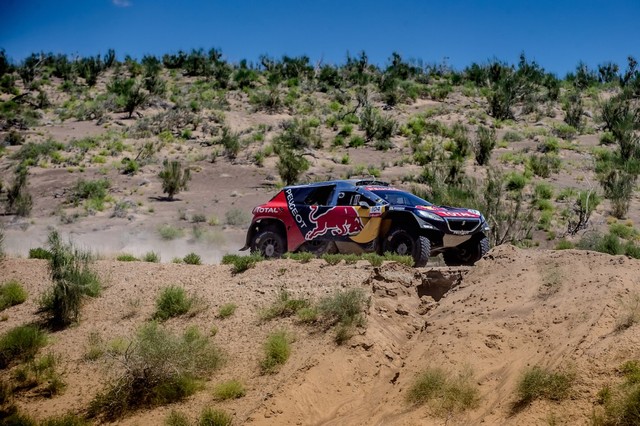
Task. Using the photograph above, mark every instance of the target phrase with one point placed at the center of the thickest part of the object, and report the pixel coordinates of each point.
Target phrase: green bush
(232, 389)
(192, 259)
(622, 402)
(172, 302)
(452, 394)
(158, 368)
(73, 280)
(64, 420)
(126, 257)
(168, 232)
(283, 307)
(485, 143)
(543, 191)
(291, 164)
(39, 253)
(277, 349)
(151, 256)
(564, 245)
(174, 178)
(515, 181)
(227, 310)
(236, 217)
(11, 293)
(344, 309)
(215, 417)
(543, 165)
(512, 136)
(618, 187)
(623, 231)
(538, 383)
(19, 200)
(21, 344)
(176, 418)
(241, 263)
(94, 191)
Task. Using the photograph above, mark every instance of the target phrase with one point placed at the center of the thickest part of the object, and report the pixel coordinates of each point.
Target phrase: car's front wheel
(268, 243)
(467, 254)
(400, 241)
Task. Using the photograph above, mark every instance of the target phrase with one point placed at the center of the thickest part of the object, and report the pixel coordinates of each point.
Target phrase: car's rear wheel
(268, 243)
(400, 241)
(467, 254)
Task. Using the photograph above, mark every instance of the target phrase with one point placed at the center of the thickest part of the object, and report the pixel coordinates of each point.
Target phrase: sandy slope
(514, 309)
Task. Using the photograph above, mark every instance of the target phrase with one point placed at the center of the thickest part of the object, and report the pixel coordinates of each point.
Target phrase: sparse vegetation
(344, 309)
(284, 306)
(241, 263)
(227, 310)
(158, 368)
(73, 280)
(21, 344)
(232, 389)
(172, 302)
(39, 253)
(168, 232)
(446, 394)
(540, 383)
(277, 349)
(151, 256)
(215, 417)
(192, 259)
(174, 178)
(11, 293)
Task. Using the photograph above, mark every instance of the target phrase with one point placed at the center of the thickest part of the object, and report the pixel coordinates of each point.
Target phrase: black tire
(268, 243)
(467, 254)
(400, 241)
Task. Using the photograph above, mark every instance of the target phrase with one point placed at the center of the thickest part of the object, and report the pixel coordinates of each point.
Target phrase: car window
(314, 196)
(352, 198)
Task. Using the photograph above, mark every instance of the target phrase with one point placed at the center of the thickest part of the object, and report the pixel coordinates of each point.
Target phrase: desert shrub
(539, 383)
(16, 418)
(607, 138)
(172, 302)
(344, 309)
(174, 178)
(158, 368)
(447, 394)
(485, 142)
(192, 259)
(543, 191)
(231, 142)
(177, 418)
(236, 217)
(1, 241)
(307, 315)
(543, 165)
(64, 420)
(39, 253)
(126, 257)
(574, 110)
(215, 417)
(227, 310)
(394, 257)
(232, 389)
(198, 218)
(549, 145)
(565, 131)
(11, 293)
(564, 245)
(20, 344)
(511, 136)
(241, 263)
(629, 313)
(515, 181)
(623, 231)
(19, 200)
(618, 187)
(622, 402)
(168, 232)
(284, 306)
(89, 190)
(32, 152)
(290, 165)
(42, 371)
(151, 256)
(277, 349)
(302, 256)
(73, 280)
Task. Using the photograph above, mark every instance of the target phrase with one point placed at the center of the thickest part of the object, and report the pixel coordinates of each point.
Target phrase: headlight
(429, 215)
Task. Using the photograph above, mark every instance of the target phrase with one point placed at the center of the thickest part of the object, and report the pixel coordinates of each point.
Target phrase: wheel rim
(270, 247)
(403, 246)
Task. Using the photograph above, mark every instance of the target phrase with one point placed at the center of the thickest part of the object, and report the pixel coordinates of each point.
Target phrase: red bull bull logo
(340, 221)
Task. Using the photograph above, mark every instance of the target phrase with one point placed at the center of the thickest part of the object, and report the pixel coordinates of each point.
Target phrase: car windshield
(397, 197)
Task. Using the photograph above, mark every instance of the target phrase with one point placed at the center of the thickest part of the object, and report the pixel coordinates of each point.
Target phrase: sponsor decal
(375, 211)
(339, 221)
(396, 208)
(380, 188)
(293, 209)
(440, 211)
(260, 209)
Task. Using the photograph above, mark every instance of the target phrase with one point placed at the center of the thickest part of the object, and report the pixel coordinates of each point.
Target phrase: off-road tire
(268, 243)
(400, 241)
(468, 253)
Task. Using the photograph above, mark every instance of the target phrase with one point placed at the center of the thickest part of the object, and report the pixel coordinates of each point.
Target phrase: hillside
(515, 309)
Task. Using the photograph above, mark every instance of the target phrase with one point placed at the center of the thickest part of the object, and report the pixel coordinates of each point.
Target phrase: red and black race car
(358, 216)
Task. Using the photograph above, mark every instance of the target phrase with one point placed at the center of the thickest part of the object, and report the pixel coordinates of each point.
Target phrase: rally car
(358, 216)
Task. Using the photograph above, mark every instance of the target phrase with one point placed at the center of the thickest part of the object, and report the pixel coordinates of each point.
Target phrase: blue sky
(557, 34)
